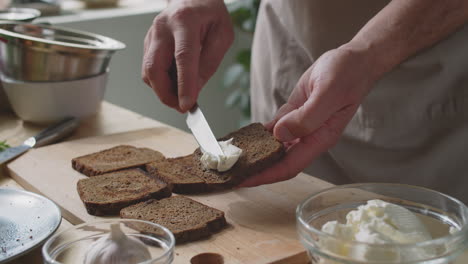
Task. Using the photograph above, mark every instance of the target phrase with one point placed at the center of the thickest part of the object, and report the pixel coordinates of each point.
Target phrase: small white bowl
(47, 102)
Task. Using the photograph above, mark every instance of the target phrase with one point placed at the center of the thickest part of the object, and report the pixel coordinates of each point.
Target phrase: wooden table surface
(111, 119)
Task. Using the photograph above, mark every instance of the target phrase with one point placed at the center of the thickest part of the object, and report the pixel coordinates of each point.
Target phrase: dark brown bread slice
(180, 173)
(187, 174)
(108, 193)
(260, 150)
(113, 159)
(187, 219)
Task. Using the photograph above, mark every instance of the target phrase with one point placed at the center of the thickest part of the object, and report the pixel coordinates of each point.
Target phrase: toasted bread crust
(204, 220)
(114, 159)
(187, 175)
(180, 173)
(107, 194)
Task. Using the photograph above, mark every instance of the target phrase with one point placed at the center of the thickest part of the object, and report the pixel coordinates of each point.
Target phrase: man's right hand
(197, 33)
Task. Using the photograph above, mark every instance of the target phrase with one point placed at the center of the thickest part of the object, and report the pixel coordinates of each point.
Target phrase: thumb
(284, 109)
(302, 121)
(303, 152)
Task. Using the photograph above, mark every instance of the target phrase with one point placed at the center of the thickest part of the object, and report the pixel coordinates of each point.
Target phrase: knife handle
(56, 131)
(173, 77)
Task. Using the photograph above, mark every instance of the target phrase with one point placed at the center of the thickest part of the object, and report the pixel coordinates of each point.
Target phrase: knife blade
(11, 153)
(47, 136)
(196, 121)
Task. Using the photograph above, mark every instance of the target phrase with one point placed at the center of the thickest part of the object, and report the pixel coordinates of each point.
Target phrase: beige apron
(413, 126)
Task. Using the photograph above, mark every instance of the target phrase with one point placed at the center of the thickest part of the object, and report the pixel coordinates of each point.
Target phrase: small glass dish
(71, 245)
(438, 212)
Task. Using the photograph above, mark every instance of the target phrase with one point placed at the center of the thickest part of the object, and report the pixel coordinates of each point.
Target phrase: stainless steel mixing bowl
(19, 14)
(34, 52)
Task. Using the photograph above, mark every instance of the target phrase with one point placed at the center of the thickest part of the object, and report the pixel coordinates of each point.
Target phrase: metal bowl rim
(7, 79)
(24, 10)
(113, 44)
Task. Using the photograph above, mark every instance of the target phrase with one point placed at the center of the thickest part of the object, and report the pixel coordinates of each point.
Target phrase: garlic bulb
(117, 248)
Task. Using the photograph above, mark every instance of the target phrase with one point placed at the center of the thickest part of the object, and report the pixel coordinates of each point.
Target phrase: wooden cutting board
(262, 226)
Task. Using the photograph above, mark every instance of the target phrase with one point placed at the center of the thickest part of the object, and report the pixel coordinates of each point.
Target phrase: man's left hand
(318, 110)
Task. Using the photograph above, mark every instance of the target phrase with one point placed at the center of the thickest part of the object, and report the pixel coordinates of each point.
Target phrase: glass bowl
(437, 211)
(71, 245)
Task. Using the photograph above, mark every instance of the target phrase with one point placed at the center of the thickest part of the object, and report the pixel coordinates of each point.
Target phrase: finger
(157, 71)
(292, 164)
(297, 98)
(287, 168)
(150, 36)
(291, 143)
(284, 109)
(157, 60)
(215, 45)
(304, 120)
(301, 154)
(187, 55)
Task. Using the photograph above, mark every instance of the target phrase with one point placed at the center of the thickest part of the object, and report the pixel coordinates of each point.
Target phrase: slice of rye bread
(187, 219)
(108, 193)
(113, 159)
(260, 150)
(181, 173)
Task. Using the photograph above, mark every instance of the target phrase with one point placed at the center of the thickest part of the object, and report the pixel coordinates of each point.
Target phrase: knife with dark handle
(196, 121)
(47, 136)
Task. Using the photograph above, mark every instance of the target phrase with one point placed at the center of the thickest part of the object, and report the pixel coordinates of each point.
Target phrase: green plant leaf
(233, 98)
(239, 15)
(244, 82)
(244, 101)
(244, 16)
(249, 24)
(232, 75)
(243, 57)
(3, 145)
(246, 111)
(236, 5)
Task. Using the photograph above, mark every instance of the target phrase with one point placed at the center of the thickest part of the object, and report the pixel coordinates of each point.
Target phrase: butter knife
(51, 134)
(197, 123)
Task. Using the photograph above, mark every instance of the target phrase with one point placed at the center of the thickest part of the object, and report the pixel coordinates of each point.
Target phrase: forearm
(405, 27)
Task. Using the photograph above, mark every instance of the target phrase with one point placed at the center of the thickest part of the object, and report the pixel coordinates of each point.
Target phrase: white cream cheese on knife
(221, 162)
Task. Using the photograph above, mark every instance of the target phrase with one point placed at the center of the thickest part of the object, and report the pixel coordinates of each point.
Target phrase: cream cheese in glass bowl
(375, 223)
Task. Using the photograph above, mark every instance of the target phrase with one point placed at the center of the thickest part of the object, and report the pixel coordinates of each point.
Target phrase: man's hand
(319, 108)
(197, 33)
(330, 91)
